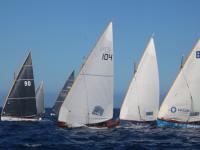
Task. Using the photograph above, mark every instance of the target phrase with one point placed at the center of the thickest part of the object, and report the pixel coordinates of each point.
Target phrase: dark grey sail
(63, 93)
(21, 102)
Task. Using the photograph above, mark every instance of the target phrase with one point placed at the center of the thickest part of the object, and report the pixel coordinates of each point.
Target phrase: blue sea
(46, 135)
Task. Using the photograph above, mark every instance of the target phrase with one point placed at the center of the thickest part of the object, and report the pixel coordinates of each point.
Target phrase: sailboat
(141, 102)
(63, 93)
(20, 104)
(40, 100)
(90, 100)
(181, 106)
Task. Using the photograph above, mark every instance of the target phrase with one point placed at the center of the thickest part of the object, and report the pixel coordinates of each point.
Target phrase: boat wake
(32, 145)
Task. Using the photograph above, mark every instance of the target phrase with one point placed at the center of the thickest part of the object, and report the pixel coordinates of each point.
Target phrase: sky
(60, 33)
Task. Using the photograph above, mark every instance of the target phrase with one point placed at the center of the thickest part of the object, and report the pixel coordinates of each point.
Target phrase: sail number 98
(27, 83)
(106, 56)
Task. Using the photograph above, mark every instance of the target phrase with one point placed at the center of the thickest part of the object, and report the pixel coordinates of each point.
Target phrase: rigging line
(138, 101)
(88, 111)
(139, 112)
(191, 107)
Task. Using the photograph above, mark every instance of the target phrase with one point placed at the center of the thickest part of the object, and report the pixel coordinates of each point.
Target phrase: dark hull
(106, 124)
(138, 122)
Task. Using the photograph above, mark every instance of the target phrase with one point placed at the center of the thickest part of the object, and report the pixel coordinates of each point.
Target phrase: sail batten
(90, 99)
(141, 101)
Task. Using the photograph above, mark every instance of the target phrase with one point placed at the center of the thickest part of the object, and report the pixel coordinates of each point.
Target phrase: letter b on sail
(197, 54)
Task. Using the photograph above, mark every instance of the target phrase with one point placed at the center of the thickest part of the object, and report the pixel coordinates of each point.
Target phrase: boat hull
(164, 123)
(106, 124)
(9, 118)
(138, 122)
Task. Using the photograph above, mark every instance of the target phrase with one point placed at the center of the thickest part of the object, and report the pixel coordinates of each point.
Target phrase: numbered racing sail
(182, 103)
(63, 93)
(20, 104)
(141, 102)
(40, 100)
(90, 99)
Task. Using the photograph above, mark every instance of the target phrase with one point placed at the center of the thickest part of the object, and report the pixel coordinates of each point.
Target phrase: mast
(135, 67)
(182, 61)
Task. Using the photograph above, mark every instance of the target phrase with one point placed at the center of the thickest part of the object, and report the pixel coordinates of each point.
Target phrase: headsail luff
(63, 93)
(141, 102)
(182, 102)
(90, 99)
(21, 101)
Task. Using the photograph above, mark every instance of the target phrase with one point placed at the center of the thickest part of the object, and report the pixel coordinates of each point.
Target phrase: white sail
(182, 102)
(90, 99)
(40, 99)
(141, 102)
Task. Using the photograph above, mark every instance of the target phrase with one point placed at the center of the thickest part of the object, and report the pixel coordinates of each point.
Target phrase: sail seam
(24, 79)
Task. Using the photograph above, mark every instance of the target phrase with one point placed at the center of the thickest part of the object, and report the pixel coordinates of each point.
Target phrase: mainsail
(182, 103)
(40, 99)
(63, 93)
(90, 99)
(21, 102)
(141, 102)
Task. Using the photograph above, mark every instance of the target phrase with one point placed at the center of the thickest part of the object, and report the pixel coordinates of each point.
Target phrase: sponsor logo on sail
(183, 110)
(98, 110)
(173, 109)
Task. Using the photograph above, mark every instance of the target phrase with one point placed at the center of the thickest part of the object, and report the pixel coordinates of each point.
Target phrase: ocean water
(46, 135)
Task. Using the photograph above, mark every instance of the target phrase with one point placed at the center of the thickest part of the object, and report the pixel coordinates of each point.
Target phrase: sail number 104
(106, 56)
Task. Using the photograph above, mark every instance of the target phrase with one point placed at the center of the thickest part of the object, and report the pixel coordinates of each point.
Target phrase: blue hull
(162, 123)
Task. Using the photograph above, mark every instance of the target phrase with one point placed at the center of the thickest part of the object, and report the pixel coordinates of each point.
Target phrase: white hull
(8, 118)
